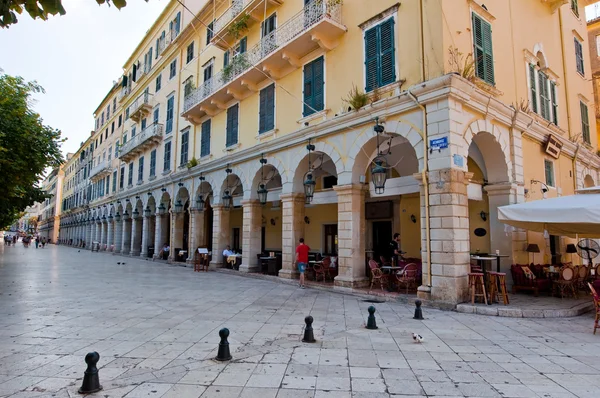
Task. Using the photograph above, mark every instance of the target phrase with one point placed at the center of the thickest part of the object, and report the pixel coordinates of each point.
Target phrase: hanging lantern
(161, 208)
(117, 217)
(125, 215)
(379, 176)
(200, 203)
(309, 187)
(178, 206)
(262, 189)
(110, 218)
(227, 199)
(135, 213)
(147, 211)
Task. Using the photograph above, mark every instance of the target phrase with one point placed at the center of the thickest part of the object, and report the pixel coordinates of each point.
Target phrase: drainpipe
(575, 168)
(422, 44)
(564, 65)
(425, 186)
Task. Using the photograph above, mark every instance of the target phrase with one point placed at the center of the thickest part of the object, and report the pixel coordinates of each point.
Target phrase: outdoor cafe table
(498, 257)
(481, 260)
(391, 270)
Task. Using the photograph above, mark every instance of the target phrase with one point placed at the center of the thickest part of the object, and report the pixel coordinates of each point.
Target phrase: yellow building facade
(230, 114)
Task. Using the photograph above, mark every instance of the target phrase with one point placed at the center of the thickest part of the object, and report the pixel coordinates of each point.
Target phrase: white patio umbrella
(575, 215)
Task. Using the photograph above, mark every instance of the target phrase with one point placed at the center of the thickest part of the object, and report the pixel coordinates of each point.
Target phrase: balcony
(149, 137)
(123, 93)
(555, 4)
(239, 8)
(319, 24)
(100, 171)
(165, 42)
(140, 108)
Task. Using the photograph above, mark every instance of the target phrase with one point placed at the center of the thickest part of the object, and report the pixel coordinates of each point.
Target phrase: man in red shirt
(302, 259)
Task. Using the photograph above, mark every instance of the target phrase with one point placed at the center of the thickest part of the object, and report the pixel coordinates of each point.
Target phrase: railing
(310, 15)
(140, 101)
(164, 42)
(100, 167)
(154, 130)
(123, 93)
(236, 8)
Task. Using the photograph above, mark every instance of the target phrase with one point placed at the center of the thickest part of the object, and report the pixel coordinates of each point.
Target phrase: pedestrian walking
(43, 242)
(14, 240)
(302, 260)
(37, 241)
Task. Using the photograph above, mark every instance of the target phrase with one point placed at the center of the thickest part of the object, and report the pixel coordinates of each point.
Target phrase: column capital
(502, 188)
(350, 188)
(218, 206)
(251, 203)
(291, 197)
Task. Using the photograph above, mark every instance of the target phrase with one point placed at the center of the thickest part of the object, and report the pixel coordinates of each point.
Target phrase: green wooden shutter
(579, 56)
(178, 22)
(371, 55)
(554, 103)
(585, 122)
(318, 85)
(157, 51)
(225, 62)
(271, 108)
(243, 44)
(205, 139)
(533, 89)
(232, 125)
(308, 90)
(387, 63)
(544, 98)
(483, 49)
(488, 52)
(262, 111)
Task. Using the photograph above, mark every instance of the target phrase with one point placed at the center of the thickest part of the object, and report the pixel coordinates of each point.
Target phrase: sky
(76, 58)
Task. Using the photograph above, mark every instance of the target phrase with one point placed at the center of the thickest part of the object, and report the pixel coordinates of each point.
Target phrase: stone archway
(162, 228)
(588, 181)
(180, 224)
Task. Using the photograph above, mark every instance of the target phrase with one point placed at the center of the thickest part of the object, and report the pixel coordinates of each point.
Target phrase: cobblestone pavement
(156, 329)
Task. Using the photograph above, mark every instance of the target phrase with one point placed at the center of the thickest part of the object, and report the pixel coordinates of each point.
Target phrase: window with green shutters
(189, 53)
(130, 175)
(184, 148)
(532, 73)
(579, 56)
(209, 32)
(549, 172)
(483, 49)
(544, 95)
(585, 122)
(167, 157)
(232, 125)
(575, 7)
(205, 139)
(140, 169)
(122, 180)
(158, 83)
(380, 55)
(554, 99)
(170, 105)
(153, 163)
(314, 87)
(267, 109)
(114, 187)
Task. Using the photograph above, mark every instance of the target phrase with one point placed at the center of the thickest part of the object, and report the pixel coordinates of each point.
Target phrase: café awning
(567, 215)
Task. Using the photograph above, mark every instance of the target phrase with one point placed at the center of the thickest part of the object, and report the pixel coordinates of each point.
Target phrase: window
(554, 100)
(114, 187)
(167, 157)
(330, 235)
(107, 113)
(143, 127)
(209, 32)
(127, 113)
(239, 48)
(549, 171)
(155, 115)
(114, 105)
(133, 131)
(190, 53)
(130, 176)
(205, 139)
(109, 152)
(483, 50)
(575, 7)
(122, 180)
(329, 182)
(170, 104)
(544, 99)
(544, 95)
(158, 82)
(153, 163)
(140, 169)
(232, 125)
(208, 71)
(100, 139)
(380, 65)
(102, 119)
(188, 86)
(117, 149)
(120, 120)
(112, 128)
(579, 56)
(173, 69)
(313, 87)
(269, 25)
(267, 109)
(585, 122)
(107, 184)
(175, 25)
(184, 147)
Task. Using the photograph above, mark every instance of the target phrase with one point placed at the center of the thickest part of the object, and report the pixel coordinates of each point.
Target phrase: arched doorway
(201, 235)
(127, 228)
(149, 228)
(228, 230)
(181, 226)
(588, 181)
(136, 227)
(162, 235)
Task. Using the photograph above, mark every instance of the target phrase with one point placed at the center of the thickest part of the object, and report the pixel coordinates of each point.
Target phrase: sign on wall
(553, 147)
(438, 144)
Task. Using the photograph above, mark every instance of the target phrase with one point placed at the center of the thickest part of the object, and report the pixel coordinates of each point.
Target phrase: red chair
(596, 298)
(407, 277)
(377, 275)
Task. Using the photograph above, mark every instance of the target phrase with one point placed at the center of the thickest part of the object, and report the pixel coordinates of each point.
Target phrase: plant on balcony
(461, 64)
(240, 26)
(193, 162)
(332, 3)
(356, 98)
(238, 63)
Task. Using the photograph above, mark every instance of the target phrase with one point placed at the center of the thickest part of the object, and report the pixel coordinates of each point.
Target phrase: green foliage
(193, 162)
(238, 63)
(39, 9)
(356, 98)
(27, 148)
(461, 64)
(240, 26)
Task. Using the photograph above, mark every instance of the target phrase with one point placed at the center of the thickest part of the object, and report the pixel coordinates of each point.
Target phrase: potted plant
(193, 162)
(356, 98)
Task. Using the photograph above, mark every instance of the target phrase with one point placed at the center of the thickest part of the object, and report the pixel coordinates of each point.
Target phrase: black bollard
(371, 323)
(418, 311)
(309, 336)
(223, 354)
(91, 381)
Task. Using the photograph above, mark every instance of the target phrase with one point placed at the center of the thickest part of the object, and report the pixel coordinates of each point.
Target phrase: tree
(27, 148)
(39, 9)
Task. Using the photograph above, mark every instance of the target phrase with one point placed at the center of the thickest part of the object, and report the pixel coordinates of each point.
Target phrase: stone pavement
(156, 329)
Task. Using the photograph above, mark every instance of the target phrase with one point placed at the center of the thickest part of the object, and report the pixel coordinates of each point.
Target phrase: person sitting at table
(164, 252)
(227, 252)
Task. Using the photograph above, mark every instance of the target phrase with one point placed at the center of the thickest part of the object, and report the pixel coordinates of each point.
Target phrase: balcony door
(269, 38)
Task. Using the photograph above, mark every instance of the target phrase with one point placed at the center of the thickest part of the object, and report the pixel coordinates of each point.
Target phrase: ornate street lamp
(378, 171)
(200, 199)
(117, 217)
(227, 198)
(262, 189)
(178, 206)
(125, 215)
(110, 218)
(147, 211)
(162, 209)
(135, 213)
(309, 182)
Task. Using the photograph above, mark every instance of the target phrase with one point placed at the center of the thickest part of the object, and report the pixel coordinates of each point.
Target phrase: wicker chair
(568, 280)
(596, 298)
(377, 275)
(407, 277)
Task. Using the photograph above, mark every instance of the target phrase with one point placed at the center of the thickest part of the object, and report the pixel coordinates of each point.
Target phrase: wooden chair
(327, 267)
(319, 271)
(477, 287)
(407, 277)
(582, 277)
(567, 281)
(377, 275)
(596, 298)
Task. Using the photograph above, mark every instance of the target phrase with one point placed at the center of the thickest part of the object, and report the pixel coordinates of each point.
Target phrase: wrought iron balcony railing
(149, 136)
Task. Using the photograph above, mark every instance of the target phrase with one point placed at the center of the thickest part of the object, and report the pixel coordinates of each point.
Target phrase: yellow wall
(410, 233)
(272, 232)
(319, 215)
(475, 208)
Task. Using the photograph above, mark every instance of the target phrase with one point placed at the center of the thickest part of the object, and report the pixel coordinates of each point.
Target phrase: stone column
(126, 240)
(449, 231)
(176, 233)
(118, 234)
(192, 244)
(292, 224)
(158, 234)
(135, 236)
(89, 235)
(251, 235)
(145, 237)
(97, 235)
(102, 234)
(351, 236)
(221, 235)
(109, 234)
